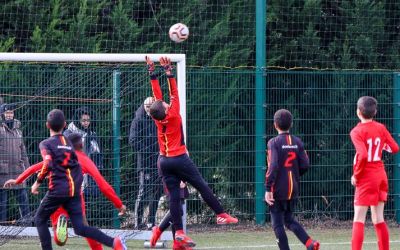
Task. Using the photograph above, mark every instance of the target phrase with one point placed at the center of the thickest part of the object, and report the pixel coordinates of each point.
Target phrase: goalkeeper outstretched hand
(165, 62)
(150, 66)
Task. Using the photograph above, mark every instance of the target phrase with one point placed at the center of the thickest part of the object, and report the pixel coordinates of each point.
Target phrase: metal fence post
(260, 94)
(116, 122)
(396, 133)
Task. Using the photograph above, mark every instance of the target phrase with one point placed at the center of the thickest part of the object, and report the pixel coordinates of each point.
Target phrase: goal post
(180, 60)
(65, 58)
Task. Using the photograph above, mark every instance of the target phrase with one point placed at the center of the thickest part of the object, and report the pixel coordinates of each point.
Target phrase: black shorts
(283, 206)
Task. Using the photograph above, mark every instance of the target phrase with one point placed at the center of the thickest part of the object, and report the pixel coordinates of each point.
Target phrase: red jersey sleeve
(28, 172)
(88, 167)
(155, 86)
(173, 95)
(46, 161)
(361, 156)
(390, 146)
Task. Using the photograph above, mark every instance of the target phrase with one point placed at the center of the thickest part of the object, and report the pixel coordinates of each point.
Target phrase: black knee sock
(281, 238)
(165, 222)
(298, 230)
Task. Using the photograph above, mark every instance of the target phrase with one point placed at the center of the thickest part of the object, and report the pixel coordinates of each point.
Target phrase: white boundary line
(128, 234)
(292, 245)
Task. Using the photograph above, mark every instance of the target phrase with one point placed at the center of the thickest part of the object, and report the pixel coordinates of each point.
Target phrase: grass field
(331, 239)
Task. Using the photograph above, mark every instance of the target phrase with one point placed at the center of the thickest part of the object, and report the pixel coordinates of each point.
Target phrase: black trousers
(181, 168)
(149, 194)
(73, 205)
(282, 215)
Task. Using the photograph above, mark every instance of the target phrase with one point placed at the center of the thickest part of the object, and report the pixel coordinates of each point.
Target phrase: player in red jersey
(174, 162)
(370, 138)
(59, 217)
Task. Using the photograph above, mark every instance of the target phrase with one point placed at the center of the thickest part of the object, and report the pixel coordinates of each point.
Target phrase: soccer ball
(178, 32)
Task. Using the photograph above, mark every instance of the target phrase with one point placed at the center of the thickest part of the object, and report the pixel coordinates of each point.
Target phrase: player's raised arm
(165, 62)
(24, 175)
(155, 85)
(28, 172)
(90, 168)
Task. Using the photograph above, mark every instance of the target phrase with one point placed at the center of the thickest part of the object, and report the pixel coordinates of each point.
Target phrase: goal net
(109, 89)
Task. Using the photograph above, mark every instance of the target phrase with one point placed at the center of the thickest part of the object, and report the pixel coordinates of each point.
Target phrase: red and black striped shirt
(61, 166)
(287, 160)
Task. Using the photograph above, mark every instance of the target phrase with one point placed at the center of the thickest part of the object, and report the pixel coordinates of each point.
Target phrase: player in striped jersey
(287, 161)
(65, 177)
(59, 217)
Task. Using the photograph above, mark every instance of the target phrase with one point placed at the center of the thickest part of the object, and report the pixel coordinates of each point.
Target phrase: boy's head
(367, 106)
(283, 119)
(159, 110)
(147, 104)
(56, 120)
(76, 140)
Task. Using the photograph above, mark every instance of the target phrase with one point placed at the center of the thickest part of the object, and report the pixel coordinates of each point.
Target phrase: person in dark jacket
(287, 160)
(143, 139)
(13, 161)
(84, 124)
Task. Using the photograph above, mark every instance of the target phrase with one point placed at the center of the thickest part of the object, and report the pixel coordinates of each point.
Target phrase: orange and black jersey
(170, 131)
(287, 160)
(60, 165)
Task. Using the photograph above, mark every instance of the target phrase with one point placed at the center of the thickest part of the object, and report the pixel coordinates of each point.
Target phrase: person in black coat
(84, 123)
(143, 139)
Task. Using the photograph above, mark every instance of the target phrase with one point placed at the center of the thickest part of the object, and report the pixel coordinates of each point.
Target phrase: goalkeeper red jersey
(88, 167)
(170, 131)
(369, 140)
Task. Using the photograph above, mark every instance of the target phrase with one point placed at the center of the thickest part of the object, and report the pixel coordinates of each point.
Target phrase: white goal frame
(179, 59)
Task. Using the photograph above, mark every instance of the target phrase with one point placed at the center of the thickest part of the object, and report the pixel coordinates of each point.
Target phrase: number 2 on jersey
(66, 159)
(289, 160)
(371, 144)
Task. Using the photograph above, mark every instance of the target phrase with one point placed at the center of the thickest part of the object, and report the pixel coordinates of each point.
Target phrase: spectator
(143, 139)
(84, 125)
(13, 161)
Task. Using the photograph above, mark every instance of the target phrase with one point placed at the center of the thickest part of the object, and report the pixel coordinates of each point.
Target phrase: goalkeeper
(174, 162)
(59, 217)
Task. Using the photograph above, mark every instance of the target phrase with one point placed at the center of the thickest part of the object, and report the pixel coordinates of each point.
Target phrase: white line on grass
(274, 245)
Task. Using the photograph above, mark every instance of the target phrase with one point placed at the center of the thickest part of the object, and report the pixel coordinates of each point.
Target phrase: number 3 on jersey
(371, 144)
(289, 160)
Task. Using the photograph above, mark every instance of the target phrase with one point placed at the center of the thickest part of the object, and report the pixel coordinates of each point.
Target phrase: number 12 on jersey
(371, 143)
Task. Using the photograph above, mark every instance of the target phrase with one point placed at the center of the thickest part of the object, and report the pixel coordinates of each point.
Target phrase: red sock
(357, 236)
(94, 245)
(382, 233)
(308, 242)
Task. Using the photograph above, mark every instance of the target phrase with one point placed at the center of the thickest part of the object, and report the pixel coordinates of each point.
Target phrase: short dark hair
(157, 110)
(283, 119)
(76, 140)
(56, 120)
(367, 106)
